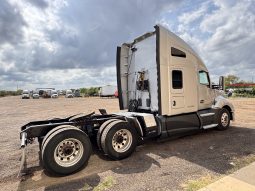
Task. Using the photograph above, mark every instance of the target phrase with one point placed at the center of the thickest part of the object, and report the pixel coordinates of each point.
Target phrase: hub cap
(68, 152)
(122, 140)
(224, 119)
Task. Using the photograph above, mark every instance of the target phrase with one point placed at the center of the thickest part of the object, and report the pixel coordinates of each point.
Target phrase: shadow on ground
(210, 149)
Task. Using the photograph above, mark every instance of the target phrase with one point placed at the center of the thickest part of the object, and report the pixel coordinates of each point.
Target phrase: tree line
(4, 93)
(232, 79)
(92, 91)
(243, 89)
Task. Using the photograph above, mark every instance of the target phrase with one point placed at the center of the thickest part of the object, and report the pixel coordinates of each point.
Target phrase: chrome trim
(122, 140)
(68, 152)
(224, 119)
(23, 139)
(210, 126)
(207, 114)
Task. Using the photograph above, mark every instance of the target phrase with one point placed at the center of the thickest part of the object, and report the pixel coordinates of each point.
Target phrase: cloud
(39, 3)
(102, 28)
(73, 43)
(233, 39)
(224, 36)
(11, 24)
(82, 35)
(190, 17)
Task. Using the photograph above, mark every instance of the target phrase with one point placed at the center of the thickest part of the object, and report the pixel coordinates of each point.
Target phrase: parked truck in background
(165, 87)
(35, 95)
(54, 94)
(25, 94)
(77, 93)
(69, 94)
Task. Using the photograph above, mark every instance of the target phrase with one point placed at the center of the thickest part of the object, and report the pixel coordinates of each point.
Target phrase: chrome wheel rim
(68, 152)
(224, 119)
(122, 140)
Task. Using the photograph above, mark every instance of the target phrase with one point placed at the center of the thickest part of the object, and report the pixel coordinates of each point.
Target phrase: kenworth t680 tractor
(164, 89)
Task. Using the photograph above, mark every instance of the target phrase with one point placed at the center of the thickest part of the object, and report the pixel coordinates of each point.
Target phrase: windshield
(69, 92)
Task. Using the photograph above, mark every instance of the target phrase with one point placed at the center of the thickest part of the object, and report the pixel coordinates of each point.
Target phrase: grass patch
(106, 184)
(86, 187)
(238, 163)
(201, 182)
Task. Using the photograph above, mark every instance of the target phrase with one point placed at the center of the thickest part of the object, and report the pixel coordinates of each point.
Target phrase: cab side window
(204, 78)
(177, 79)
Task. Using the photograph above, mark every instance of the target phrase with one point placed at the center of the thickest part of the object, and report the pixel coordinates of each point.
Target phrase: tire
(223, 119)
(119, 140)
(54, 130)
(66, 151)
(100, 131)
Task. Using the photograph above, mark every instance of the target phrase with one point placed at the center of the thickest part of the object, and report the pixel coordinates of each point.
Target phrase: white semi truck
(164, 89)
(25, 94)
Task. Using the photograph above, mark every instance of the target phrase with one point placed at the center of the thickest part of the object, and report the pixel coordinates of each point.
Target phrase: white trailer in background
(107, 91)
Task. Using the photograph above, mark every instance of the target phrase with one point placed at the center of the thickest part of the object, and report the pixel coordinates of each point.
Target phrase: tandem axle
(65, 143)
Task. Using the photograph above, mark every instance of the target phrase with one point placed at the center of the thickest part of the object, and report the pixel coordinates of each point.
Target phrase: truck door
(177, 91)
(205, 97)
(183, 82)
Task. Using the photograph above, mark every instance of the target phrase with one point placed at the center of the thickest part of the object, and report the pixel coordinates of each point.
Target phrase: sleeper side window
(177, 53)
(177, 79)
(204, 78)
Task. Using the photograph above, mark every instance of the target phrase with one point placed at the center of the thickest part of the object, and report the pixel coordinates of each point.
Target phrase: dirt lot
(154, 166)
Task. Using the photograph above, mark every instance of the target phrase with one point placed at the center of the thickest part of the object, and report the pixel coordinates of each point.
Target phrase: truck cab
(160, 74)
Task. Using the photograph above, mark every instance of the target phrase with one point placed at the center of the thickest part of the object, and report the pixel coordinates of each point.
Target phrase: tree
(92, 91)
(231, 79)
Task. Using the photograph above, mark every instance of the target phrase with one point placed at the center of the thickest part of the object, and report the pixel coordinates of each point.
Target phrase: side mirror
(222, 83)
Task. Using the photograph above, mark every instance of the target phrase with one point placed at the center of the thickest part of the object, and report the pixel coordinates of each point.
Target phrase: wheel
(119, 140)
(66, 151)
(54, 130)
(223, 119)
(100, 131)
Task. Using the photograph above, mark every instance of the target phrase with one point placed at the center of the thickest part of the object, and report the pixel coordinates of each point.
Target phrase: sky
(72, 43)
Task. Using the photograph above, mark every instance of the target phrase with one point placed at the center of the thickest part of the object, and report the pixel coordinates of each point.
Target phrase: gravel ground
(154, 166)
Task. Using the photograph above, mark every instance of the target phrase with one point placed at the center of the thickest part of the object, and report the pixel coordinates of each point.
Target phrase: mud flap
(22, 162)
(23, 154)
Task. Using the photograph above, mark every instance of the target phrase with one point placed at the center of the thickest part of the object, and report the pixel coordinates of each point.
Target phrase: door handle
(174, 103)
(202, 101)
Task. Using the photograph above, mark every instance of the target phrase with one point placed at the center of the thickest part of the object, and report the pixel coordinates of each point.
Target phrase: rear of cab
(164, 76)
